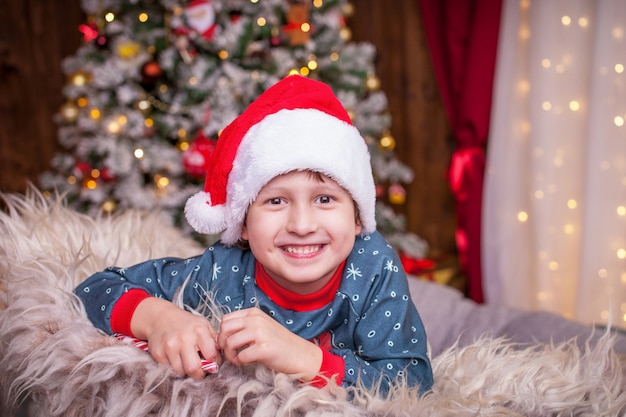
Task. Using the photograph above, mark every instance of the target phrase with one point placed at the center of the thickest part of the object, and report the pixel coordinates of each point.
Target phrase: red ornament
(89, 31)
(196, 159)
(81, 169)
(151, 72)
(106, 175)
(235, 16)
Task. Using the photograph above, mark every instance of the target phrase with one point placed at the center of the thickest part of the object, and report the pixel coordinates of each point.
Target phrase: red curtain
(462, 37)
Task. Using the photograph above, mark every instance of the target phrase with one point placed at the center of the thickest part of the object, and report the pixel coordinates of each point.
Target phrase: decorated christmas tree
(155, 81)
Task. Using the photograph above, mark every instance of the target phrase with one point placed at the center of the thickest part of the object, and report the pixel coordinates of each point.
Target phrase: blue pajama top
(371, 322)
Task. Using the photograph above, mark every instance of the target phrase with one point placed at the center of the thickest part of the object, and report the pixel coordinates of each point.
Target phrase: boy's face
(300, 229)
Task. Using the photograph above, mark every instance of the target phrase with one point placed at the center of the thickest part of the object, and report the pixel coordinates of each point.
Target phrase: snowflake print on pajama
(371, 321)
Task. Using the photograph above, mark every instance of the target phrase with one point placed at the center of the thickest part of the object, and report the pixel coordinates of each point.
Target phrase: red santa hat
(297, 124)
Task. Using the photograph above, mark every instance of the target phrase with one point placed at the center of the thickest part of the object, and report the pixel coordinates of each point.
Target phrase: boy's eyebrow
(321, 187)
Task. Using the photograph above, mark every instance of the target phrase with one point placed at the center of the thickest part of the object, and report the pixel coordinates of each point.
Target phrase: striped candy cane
(208, 367)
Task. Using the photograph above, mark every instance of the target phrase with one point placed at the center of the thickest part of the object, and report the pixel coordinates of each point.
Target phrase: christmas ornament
(345, 34)
(128, 49)
(235, 16)
(348, 9)
(151, 73)
(81, 169)
(196, 158)
(109, 206)
(106, 175)
(79, 78)
(200, 16)
(387, 143)
(397, 194)
(89, 31)
(372, 82)
(298, 28)
(92, 34)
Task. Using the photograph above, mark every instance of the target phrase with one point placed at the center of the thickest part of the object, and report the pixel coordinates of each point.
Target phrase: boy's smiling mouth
(302, 250)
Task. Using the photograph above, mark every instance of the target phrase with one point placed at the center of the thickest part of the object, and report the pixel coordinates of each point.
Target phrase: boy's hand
(249, 336)
(176, 337)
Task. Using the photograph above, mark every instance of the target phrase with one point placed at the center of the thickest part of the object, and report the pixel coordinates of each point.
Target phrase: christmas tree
(155, 81)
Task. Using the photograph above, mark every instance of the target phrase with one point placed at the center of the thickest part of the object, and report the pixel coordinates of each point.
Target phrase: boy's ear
(244, 232)
(358, 227)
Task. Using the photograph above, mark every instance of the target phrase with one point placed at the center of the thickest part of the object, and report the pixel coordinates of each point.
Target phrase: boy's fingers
(191, 363)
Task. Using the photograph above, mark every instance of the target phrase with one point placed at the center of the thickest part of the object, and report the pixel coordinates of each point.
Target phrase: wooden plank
(34, 38)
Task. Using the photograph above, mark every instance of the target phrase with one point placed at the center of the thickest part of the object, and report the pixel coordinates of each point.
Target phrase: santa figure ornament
(297, 124)
(200, 16)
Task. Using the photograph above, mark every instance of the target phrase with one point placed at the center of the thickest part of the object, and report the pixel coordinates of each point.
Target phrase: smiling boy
(317, 293)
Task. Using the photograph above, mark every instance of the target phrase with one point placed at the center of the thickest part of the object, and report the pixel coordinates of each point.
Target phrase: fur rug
(53, 359)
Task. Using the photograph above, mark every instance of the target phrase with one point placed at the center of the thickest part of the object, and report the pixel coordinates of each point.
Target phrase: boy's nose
(301, 220)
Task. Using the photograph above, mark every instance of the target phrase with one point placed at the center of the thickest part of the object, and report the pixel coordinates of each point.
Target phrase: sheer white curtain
(554, 211)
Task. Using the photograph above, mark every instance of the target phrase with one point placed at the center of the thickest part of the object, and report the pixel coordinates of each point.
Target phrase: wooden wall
(35, 35)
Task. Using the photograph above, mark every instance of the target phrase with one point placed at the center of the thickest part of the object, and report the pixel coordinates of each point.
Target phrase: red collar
(298, 302)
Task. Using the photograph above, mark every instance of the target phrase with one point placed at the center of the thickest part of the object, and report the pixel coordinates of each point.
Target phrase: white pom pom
(204, 217)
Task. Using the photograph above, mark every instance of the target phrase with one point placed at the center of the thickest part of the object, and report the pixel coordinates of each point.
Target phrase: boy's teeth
(302, 249)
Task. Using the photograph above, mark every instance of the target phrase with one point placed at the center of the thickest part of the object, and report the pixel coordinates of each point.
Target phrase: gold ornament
(109, 206)
(372, 82)
(397, 194)
(79, 78)
(348, 9)
(345, 34)
(69, 112)
(128, 49)
(387, 143)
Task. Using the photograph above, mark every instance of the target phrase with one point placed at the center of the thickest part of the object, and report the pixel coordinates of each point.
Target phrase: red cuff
(123, 310)
(333, 367)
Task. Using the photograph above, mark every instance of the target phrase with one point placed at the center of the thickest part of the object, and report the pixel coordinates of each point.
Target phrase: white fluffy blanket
(53, 359)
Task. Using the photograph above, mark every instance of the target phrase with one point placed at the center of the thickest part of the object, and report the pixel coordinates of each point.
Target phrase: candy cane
(208, 367)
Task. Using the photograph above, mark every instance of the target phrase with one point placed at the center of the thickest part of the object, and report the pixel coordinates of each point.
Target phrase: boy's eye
(324, 199)
(275, 200)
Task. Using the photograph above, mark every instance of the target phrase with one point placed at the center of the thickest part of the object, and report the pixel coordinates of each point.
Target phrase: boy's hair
(297, 124)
